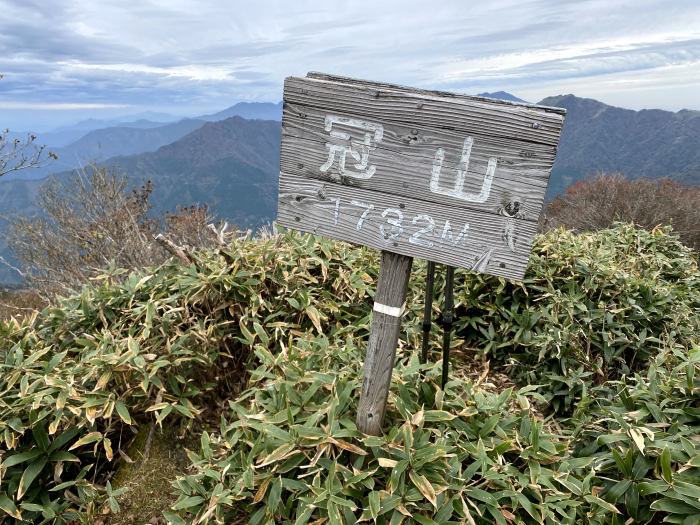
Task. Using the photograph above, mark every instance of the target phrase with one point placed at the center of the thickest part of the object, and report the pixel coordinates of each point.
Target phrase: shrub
(290, 451)
(73, 375)
(157, 341)
(600, 200)
(647, 442)
(19, 303)
(592, 308)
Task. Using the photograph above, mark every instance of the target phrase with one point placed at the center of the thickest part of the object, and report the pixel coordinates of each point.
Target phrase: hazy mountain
(52, 140)
(90, 124)
(502, 95)
(111, 142)
(153, 116)
(650, 142)
(234, 162)
(249, 110)
(87, 125)
(142, 124)
(66, 135)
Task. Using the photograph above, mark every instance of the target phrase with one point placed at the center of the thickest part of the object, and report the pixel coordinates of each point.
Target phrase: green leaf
(617, 491)
(437, 415)
(646, 488)
(61, 455)
(123, 412)
(396, 472)
(16, 459)
(489, 425)
(333, 514)
(304, 517)
(30, 474)
(40, 436)
(8, 506)
(481, 495)
(374, 504)
(529, 507)
(189, 503)
(601, 503)
(173, 518)
(621, 463)
(423, 520)
(641, 467)
(273, 499)
(57, 358)
(632, 500)
(687, 489)
(92, 437)
(665, 461)
(673, 506)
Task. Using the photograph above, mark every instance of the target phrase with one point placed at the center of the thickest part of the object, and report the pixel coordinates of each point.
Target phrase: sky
(64, 60)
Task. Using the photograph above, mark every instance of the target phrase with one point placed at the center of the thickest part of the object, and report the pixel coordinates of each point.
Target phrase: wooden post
(389, 303)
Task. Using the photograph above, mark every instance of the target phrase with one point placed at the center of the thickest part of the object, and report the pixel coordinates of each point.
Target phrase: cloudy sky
(63, 60)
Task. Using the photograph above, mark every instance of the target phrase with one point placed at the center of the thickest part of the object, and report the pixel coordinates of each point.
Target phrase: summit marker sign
(454, 179)
(449, 178)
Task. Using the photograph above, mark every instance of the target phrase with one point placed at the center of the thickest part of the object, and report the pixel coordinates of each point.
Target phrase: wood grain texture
(425, 109)
(445, 94)
(405, 156)
(394, 273)
(492, 244)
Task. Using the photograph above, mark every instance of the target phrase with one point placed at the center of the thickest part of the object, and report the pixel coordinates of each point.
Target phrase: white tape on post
(390, 310)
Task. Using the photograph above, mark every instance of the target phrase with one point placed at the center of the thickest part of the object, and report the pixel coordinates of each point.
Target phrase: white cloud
(187, 54)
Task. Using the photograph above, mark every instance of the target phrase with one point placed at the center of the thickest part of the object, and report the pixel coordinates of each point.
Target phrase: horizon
(131, 117)
(75, 60)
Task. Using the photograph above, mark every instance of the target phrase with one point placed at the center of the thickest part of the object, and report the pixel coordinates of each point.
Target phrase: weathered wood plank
(394, 273)
(405, 156)
(473, 239)
(445, 94)
(526, 123)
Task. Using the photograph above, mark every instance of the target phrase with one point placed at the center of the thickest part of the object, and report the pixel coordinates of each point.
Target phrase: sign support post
(389, 305)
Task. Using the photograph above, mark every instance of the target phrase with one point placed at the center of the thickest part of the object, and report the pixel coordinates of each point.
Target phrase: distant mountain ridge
(249, 110)
(112, 142)
(598, 137)
(117, 138)
(502, 95)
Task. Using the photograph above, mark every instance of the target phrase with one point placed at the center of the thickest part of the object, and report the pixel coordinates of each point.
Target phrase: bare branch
(92, 221)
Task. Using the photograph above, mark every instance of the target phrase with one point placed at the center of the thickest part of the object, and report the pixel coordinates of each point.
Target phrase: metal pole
(428, 314)
(447, 321)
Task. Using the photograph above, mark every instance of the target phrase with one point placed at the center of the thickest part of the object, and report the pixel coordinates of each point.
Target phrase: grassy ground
(149, 481)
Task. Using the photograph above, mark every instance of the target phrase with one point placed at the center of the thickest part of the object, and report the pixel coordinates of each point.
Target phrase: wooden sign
(454, 179)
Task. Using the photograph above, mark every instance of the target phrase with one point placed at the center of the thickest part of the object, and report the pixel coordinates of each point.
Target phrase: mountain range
(76, 143)
(234, 160)
(111, 142)
(597, 137)
(232, 163)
